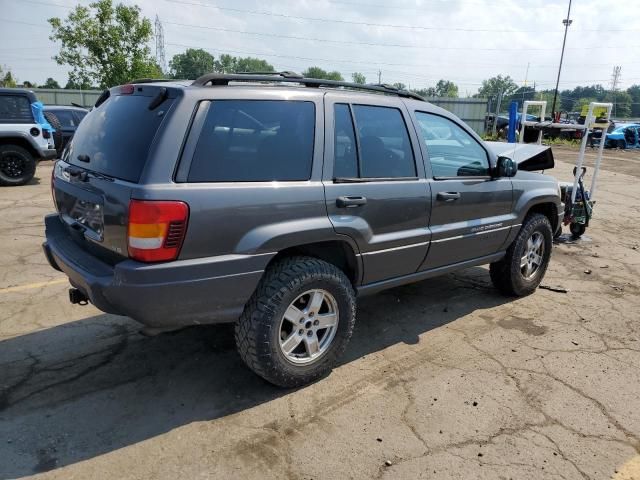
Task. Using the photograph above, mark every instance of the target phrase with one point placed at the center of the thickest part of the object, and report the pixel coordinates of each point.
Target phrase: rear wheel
(621, 144)
(298, 322)
(17, 165)
(521, 270)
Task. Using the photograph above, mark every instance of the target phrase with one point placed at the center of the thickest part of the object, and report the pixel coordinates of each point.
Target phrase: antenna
(160, 57)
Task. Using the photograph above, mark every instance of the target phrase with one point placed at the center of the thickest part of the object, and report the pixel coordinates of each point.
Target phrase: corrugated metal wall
(51, 96)
(470, 110)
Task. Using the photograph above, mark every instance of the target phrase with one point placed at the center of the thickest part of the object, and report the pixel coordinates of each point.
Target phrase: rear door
(375, 190)
(471, 212)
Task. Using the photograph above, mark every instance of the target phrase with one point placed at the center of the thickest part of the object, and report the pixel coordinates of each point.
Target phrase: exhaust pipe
(77, 297)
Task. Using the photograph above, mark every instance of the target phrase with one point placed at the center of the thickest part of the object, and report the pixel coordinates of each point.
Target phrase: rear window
(15, 109)
(254, 141)
(66, 118)
(116, 136)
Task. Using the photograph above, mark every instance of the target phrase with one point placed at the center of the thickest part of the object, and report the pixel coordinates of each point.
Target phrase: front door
(471, 212)
(375, 189)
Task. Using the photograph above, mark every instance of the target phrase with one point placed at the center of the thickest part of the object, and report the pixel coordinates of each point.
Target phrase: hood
(530, 157)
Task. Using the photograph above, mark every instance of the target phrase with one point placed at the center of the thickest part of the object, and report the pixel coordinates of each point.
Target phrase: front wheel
(298, 322)
(521, 270)
(621, 144)
(577, 229)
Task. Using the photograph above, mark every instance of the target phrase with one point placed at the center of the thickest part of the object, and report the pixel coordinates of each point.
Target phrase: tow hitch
(77, 297)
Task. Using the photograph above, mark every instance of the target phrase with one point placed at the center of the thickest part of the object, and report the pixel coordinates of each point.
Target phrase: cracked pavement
(444, 379)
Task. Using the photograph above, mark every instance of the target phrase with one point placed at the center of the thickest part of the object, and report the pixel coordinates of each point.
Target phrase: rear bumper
(163, 295)
(48, 154)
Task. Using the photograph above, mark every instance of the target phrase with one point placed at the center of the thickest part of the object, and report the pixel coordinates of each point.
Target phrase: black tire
(58, 139)
(621, 144)
(577, 230)
(507, 275)
(258, 331)
(17, 165)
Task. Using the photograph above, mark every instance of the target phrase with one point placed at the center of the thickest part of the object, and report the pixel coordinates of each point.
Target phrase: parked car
(624, 135)
(25, 137)
(65, 119)
(273, 201)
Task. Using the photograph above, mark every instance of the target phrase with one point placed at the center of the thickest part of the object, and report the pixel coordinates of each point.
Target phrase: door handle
(448, 196)
(350, 202)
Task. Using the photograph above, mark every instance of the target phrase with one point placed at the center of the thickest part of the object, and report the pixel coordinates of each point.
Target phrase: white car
(23, 140)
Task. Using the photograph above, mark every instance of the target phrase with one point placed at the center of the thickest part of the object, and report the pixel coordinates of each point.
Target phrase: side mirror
(505, 167)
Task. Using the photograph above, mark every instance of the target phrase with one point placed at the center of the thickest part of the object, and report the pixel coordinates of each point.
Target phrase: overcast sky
(415, 42)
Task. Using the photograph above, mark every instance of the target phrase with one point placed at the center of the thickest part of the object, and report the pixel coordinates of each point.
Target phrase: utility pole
(160, 56)
(567, 21)
(379, 77)
(615, 81)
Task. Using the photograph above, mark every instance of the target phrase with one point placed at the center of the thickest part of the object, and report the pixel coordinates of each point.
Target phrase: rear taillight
(46, 134)
(156, 229)
(127, 89)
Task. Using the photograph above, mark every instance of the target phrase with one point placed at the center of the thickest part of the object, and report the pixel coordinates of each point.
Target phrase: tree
(251, 64)
(51, 83)
(317, 72)
(426, 92)
(495, 85)
(358, 78)
(6, 79)
(446, 88)
(399, 86)
(105, 44)
(225, 64)
(634, 92)
(191, 64)
(28, 84)
(621, 104)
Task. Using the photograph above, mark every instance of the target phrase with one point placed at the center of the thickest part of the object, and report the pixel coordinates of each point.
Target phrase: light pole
(567, 21)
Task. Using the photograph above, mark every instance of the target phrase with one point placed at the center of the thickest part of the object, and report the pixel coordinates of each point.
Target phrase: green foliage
(621, 104)
(7, 79)
(358, 78)
(317, 72)
(426, 92)
(191, 64)
(51, 83)
(634, 92)
(251, 64)
(399, 86)
(446, 88)
(105, 44)
(495, 85)
(28, 84)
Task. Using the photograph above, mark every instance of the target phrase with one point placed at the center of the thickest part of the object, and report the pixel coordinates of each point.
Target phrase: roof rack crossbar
(219, 79)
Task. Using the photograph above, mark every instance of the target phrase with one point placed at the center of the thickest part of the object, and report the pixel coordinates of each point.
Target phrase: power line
(373, 44)
(351, 22)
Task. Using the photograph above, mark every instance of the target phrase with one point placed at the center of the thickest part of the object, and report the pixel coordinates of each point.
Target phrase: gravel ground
(443, 379)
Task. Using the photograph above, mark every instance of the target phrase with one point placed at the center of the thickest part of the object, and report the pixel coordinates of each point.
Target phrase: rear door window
(255, 141)
(116, 136)
(15, 109)
(382, 150)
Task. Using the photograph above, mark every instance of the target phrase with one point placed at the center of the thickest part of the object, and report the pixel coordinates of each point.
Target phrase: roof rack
(219, 79)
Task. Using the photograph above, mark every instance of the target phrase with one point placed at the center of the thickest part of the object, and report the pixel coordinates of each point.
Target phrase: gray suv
(273, 201)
